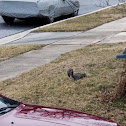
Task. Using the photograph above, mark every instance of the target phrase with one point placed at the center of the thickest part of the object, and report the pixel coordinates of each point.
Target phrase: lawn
(49, 84)
(89, 21)
(7, 52)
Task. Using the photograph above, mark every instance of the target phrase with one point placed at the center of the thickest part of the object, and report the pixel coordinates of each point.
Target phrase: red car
(14, 113)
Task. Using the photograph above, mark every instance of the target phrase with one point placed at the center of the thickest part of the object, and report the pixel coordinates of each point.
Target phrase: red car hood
(33, 115)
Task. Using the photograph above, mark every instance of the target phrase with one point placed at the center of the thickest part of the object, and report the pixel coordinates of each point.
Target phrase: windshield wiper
(9, 106)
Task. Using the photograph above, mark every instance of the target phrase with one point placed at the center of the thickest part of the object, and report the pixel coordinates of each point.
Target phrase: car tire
(8, 20)
(75, 13)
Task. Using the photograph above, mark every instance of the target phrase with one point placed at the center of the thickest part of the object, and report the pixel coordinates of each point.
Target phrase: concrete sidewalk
(110, 32)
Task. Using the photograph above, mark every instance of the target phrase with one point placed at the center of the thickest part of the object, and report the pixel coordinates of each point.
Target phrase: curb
(13, 37)
(23, 34)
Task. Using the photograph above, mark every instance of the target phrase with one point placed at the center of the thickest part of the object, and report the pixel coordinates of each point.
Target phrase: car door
(62, 8)
(73, 5)
(59, 10)
(68, 7)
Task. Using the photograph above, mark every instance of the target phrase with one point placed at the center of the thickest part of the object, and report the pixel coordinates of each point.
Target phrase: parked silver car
(49, 9)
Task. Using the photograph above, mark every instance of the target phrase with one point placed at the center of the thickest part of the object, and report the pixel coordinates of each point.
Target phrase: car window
(7, 105)
(2, 104)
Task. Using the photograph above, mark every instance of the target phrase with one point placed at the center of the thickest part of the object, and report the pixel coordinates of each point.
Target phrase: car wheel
(50, 20)
(8, 20)
(75, 13)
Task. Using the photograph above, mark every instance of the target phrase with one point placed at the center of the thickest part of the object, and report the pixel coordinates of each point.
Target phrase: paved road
(19, 26)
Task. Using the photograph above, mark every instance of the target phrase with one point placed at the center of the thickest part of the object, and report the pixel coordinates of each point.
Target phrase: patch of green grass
(89, 21)
(120, 103)
(52, 87)
(7, 52)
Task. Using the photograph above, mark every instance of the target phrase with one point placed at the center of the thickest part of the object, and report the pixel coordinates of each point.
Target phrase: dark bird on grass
(124, 51)
(75, 76)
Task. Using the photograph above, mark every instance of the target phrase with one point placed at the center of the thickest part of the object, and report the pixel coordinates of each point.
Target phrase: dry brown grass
(89, 21)
(49, 84)
(120, 89)
(7, 52)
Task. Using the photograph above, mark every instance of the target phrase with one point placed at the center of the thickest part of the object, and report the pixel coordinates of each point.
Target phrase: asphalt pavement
(110, 32)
